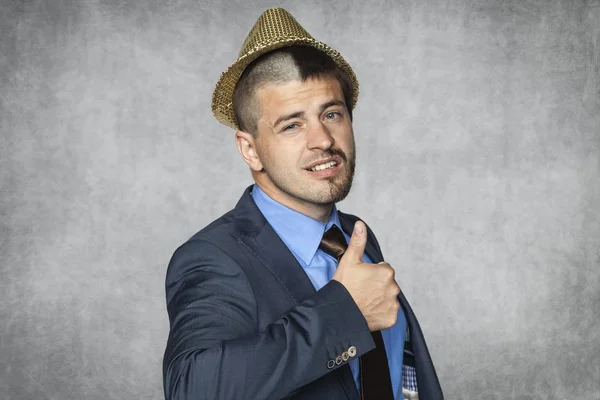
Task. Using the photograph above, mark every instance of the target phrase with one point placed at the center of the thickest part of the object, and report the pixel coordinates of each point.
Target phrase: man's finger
(358, 241)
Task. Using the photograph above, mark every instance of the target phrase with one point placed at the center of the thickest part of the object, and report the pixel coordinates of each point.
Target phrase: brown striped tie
(375, 382)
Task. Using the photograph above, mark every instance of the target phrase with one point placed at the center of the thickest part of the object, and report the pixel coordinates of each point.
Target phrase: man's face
(303, 125)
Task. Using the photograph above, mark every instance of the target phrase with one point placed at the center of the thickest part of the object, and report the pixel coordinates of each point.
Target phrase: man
(284, 296)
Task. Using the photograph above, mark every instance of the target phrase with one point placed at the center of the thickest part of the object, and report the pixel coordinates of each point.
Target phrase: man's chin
(337, 197)
(324, 197)
(336, 194)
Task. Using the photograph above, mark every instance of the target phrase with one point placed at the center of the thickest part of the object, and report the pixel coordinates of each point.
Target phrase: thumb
(358, 241)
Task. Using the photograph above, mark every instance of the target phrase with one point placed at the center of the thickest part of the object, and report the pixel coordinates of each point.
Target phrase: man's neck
(319, 212)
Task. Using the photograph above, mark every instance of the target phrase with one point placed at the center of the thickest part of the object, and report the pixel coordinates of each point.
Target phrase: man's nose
(319, 137)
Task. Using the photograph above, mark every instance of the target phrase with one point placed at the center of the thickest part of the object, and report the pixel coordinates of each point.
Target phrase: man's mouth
(321, 167)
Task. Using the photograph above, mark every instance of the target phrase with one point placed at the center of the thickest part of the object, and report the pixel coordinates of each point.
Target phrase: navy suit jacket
(247, 323)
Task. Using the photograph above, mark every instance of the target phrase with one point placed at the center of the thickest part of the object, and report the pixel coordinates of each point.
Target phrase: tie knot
(334, 243)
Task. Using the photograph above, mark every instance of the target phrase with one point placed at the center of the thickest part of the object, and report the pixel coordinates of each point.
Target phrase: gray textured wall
(478, 134)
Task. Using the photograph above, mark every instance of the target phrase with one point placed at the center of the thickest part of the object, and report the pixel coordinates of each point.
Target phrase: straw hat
(275, 28)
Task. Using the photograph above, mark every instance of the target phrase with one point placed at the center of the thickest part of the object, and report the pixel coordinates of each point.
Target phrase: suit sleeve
(215, 351)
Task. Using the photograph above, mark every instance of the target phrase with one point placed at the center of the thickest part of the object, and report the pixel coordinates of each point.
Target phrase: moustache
(332, 153)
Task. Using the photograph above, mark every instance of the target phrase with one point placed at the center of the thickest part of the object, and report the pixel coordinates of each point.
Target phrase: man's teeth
(321, 167)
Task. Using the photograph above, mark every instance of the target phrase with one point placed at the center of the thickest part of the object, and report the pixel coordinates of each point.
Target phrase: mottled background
(478, 134)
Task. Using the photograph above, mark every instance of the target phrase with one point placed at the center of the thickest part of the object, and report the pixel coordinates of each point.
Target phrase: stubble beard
(339, 186)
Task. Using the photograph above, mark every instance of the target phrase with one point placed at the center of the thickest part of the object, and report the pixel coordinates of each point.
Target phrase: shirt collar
(301, 233)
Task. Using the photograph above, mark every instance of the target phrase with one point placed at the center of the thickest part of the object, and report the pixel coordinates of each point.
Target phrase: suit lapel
(258, 236)
(282, 264)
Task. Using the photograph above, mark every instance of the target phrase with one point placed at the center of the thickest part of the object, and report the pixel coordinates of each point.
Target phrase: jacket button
(345, 356)
(352, 351)
(338, 360)
(330, 364)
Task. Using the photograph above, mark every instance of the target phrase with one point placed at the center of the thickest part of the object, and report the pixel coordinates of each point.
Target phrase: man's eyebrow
(332, 103)
(287, 117)
(301, 114)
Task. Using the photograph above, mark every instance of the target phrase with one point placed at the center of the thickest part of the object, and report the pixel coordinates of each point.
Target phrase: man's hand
(372, 286)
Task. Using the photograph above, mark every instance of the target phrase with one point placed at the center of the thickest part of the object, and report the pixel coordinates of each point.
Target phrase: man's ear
(246, 145)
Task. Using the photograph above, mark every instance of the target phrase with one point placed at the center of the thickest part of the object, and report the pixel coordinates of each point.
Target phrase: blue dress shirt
(302, 235)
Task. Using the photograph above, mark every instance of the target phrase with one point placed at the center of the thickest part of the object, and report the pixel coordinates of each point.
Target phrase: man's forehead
(292, 92)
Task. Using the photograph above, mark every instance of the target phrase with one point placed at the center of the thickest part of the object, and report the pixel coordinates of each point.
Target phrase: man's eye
(290, 127)
(331, 115)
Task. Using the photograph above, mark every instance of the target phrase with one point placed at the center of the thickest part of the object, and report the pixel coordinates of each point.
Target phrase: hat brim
(222, 100)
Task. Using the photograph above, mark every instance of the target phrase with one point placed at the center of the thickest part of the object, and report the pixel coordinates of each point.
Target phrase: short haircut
(282, 66)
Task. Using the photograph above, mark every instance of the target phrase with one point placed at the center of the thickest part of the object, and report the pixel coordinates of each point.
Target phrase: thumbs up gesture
(372, 286)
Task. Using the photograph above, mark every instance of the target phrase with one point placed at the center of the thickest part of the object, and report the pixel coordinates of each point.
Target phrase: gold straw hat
(275, 28)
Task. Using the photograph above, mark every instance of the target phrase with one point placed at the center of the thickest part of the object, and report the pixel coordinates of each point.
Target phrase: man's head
(293, 108)
(281, 66)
